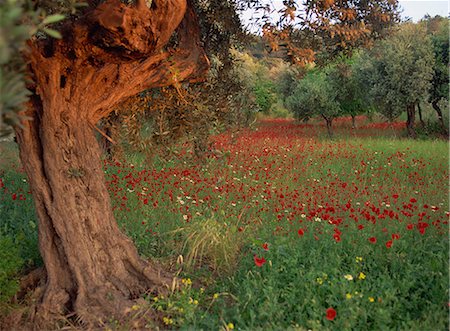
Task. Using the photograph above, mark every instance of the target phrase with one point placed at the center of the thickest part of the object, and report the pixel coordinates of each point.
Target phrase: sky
(417, 9)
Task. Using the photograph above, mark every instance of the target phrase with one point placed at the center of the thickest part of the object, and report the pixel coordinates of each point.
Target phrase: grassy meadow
(281, 229)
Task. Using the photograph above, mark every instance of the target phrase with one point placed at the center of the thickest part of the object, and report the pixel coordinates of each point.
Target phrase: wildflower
(265, 246)
(301, 232)
(373, 240)
(358, 259)
(167, 321)
(348, 296)
(348, 277)
(395, 236)
(216, 295)
(195, 302)
(230, 326)
(135, 307)
(319, 280)
(389, 244)
(186, 281)
(362, 276)
(337, 237)
(331, 314)
(259, 261)
(371, 299)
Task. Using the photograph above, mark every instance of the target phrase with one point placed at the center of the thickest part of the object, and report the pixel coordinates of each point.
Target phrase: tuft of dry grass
(211, 242)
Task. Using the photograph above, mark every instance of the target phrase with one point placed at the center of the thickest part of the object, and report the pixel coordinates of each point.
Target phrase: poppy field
(281, 228)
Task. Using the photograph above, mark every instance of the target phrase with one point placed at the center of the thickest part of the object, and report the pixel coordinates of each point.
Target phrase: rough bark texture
(411, 112)
(111, 53)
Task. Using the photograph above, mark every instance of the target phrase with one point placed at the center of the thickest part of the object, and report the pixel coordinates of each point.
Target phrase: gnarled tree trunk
(114, 52)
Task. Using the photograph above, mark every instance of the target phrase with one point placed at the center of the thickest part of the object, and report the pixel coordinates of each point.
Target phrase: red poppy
(395, 236)
(301, 232)
(331, 314)
(337, 237)
(395, 196)
(145, 201)
(265, 246)
(412, 200)
(389, 244)
(373, 240)
(259, 261)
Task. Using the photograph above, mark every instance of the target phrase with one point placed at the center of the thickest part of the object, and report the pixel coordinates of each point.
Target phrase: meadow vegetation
(286, 230)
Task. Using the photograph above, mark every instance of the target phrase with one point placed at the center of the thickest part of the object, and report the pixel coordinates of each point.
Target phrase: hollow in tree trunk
(411, 113)
(92, 269)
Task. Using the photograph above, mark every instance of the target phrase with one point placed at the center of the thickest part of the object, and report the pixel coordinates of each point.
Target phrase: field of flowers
(282, 228)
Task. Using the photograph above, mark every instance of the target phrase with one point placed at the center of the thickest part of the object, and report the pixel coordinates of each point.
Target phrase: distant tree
(287, 80)
(397, 73)
(315, 96)
(342, 78)
(438, 28)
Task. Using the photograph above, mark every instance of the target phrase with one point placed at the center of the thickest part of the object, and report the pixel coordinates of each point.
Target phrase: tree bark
(329, 122)
(92, 269)
(411, 112)
(440, 117)
(419, 110)
(353, 121)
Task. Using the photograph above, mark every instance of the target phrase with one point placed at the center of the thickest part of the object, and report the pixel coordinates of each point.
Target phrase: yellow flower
(230, 326)
(358, 259)
(155, 299)
(319, 280)
(135, 307)
(167, 321)
(216, 295)
(348, 296)
(348, 277)
(186, 281)
(371, 299)
(195, 302)
(362, 276)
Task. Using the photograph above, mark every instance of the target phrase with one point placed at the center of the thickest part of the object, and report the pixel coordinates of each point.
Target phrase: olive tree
(397, 73)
